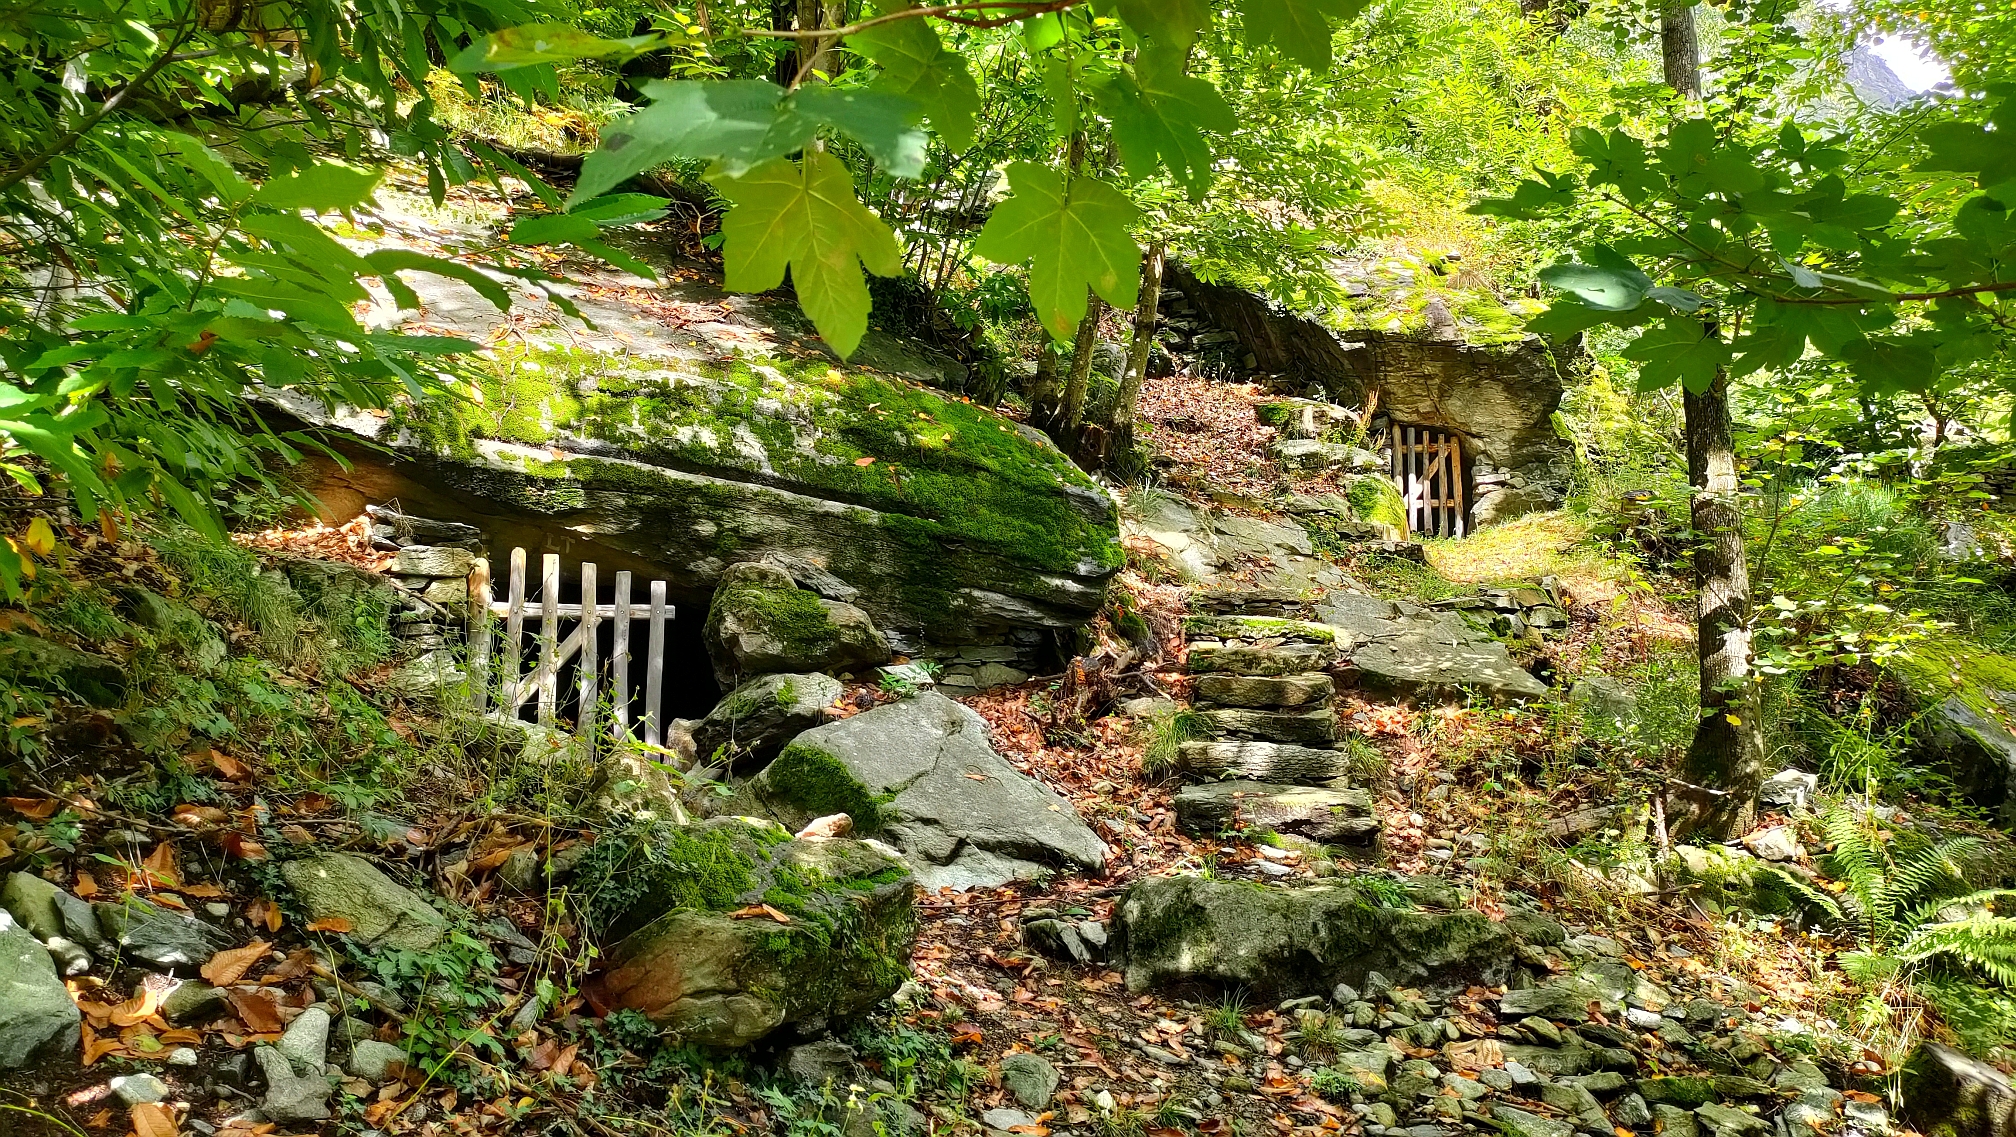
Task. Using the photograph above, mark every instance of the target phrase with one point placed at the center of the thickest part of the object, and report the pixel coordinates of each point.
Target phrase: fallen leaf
(33, 808)
(263, 911)
(763, 910)
(864, 461)
(230, 965)
(332, 924)
(205, 891)
(160, 865)
(136, 1010)
(258, 1010)
(153, 1119)
(100, 1120)
(87, 885)
(242, 847)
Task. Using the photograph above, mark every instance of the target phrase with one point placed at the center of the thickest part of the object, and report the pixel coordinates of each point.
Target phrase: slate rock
(922, 774)
(1727, 1121)
(1319, 725)
(1002, 1118)
(1030, 1079)
(1214, 658)
(1059, 940)
(1632, 1112)
(1674, 1121)
(1519, 1123)
(1310, 690)
(36, 1014)
(816, 1064)
(382, 912)
(192, 1000)
(1279, 762)
(140, 1089)
(761, 622)
(305, 1044)
(1790, 790)
(1326, 816)
(754, 721)
(432, 560)
(291, 1096)
(1948, 1093)
(159, 937)
(33, 904)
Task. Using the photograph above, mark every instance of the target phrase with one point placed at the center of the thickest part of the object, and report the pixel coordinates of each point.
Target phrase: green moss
(815, 781)
(632, 877)
(794, 615)
(1955, 666)
(787, 694)
(966, 472)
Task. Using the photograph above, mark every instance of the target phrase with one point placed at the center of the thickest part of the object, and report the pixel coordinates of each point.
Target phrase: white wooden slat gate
(500, 670)
(1428, 468)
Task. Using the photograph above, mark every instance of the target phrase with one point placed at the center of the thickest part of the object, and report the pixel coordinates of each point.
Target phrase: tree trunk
(1120, 436)
(1725, 763)
(1072, 412)
(1043, 387)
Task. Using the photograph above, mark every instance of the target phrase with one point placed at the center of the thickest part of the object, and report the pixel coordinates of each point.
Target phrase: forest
(1138, 568)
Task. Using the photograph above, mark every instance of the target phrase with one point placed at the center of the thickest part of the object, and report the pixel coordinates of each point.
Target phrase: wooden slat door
(1429, 469)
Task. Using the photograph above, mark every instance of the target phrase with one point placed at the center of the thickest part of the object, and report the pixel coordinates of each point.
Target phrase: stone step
(1210, 657)
(1316, 813)
(1319, 725)
(1306, 691)
(1255, 628)
(1262, 761)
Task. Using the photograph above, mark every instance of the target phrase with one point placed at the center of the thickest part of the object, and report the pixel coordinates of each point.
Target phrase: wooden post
(654, 670)
(514, 631)
(585, 708)
(479, 634)
(1462, 510)
(619, 662)
(549, 636)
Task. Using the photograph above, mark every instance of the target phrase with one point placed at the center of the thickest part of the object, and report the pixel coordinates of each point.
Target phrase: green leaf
(884, 124)
(1170, 23)
(554, 229)
(388, 261)
(1970, 148)
(1612, 283)
(295, 232)
(1158, 115)
(232, 189)
(1678, 350)
(916, 65)
(535, 44)
(1678, 299)
(1074, 240)
(323, 187)
(804, 217)
(621, 209)
(1299, 28)
(683, 120)
(1892, 365)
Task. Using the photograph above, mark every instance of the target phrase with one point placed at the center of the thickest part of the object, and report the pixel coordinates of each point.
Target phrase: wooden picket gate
(1428, 468)
(514, 687)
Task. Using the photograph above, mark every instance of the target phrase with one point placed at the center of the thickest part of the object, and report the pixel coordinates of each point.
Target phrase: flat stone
(1421, 666)
(1004, 1119)
(1727, 1121)
(1278, 762)
(1207, 657)
(192, 1000)
(1326, 816)
(1252, 629)
(430, 560)
(381, 912)
(1519, 1123)
(158, 936)
(1778, 843)
(372, 1060)
(1673, 1121)
(1311, 690)
(1789, 789)
(817, 1064)
(1319, 725)
(140, 1089)
(291, 1096)
(305, 1044)
(34, 904)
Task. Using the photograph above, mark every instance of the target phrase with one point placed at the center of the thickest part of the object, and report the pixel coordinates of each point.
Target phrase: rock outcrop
(379, 911)
(922, 774)
(1406, 650)
(1279, 941)
(761, 622)
(698, 952)
(681, 447)
(36, 1014)
(756, 719)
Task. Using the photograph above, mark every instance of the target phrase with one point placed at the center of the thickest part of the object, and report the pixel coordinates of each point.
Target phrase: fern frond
(1938, 868)
(1858, 860)
(1985, 898)
(1807, 892)
(1984, 943)
(1868, 967)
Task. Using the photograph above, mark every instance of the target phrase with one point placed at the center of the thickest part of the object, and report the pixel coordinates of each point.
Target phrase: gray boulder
(1409, 651)
(1951, 1094)
(1030, 1080)
(292, 1096)
(1327, 816)
(36, 1014)
(1278, 940)
(761, 622)
(381, 912)
(922, 773)
(34, 905)
(756, 719)
(373, 1060)
(155, 935)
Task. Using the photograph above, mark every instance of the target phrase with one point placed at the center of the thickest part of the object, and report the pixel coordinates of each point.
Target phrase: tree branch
(70, 137)
(1021, 10)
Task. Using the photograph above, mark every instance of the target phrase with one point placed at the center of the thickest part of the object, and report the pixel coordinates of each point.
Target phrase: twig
(1022, 11)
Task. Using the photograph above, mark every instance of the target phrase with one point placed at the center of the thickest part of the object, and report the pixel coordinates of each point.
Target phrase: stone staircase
(1262, 686)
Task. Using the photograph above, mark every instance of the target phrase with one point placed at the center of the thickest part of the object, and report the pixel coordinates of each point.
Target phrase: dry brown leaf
(153, 1119)
(160, 865)
(230, 965)
(33, 808)
(756, 910)
(87, 885)
(263, 911)
(137, 1009)
(258, 1010)
(332, 924)
(565, 1061)
(100, 1120)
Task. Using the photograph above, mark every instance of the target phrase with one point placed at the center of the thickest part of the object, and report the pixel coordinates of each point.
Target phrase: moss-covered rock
(756, 719)
(1277, 940)
(762, 623)
(691, 914)
(1968, 730)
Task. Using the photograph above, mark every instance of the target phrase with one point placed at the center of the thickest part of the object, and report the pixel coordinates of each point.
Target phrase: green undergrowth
(851, 435)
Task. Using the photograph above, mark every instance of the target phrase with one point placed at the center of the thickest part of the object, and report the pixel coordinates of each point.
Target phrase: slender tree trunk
(1727, 754)
(1725, 762)
(1072, 412)
(1043, 387)
(1120, 437)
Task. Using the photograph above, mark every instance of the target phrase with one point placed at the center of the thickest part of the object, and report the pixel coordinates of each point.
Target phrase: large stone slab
(1278, 940)
(158, 936)
(922, 773)
(761, 622)
(1318, 725)
(1264, 690)
(1325, 815)
(1409, 651)
(1261, 761)
(679, 446)
(1211, 657)
(381, 912)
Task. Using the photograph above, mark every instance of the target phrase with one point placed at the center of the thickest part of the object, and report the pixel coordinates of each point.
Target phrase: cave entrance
(606, 645)
(1433, 476)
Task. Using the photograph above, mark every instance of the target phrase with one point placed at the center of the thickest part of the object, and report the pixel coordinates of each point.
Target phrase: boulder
(1262, 761)
(1410, 651)
(380, 911)
(1031, 1080)
(761, 622)
(174, 940)
(922, 773)
(756, 719)
(1310, 690)
(1951, 1094)
(36, 1014)
(428, 677)
(1968, 726)
(373, 1060)
(685, 448)
(699, 963)
(1280, 940)
(39, 664)
(290, 1094)
(1324, 815)
(34, 904)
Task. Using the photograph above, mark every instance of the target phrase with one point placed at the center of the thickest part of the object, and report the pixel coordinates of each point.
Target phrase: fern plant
(1913, 907)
